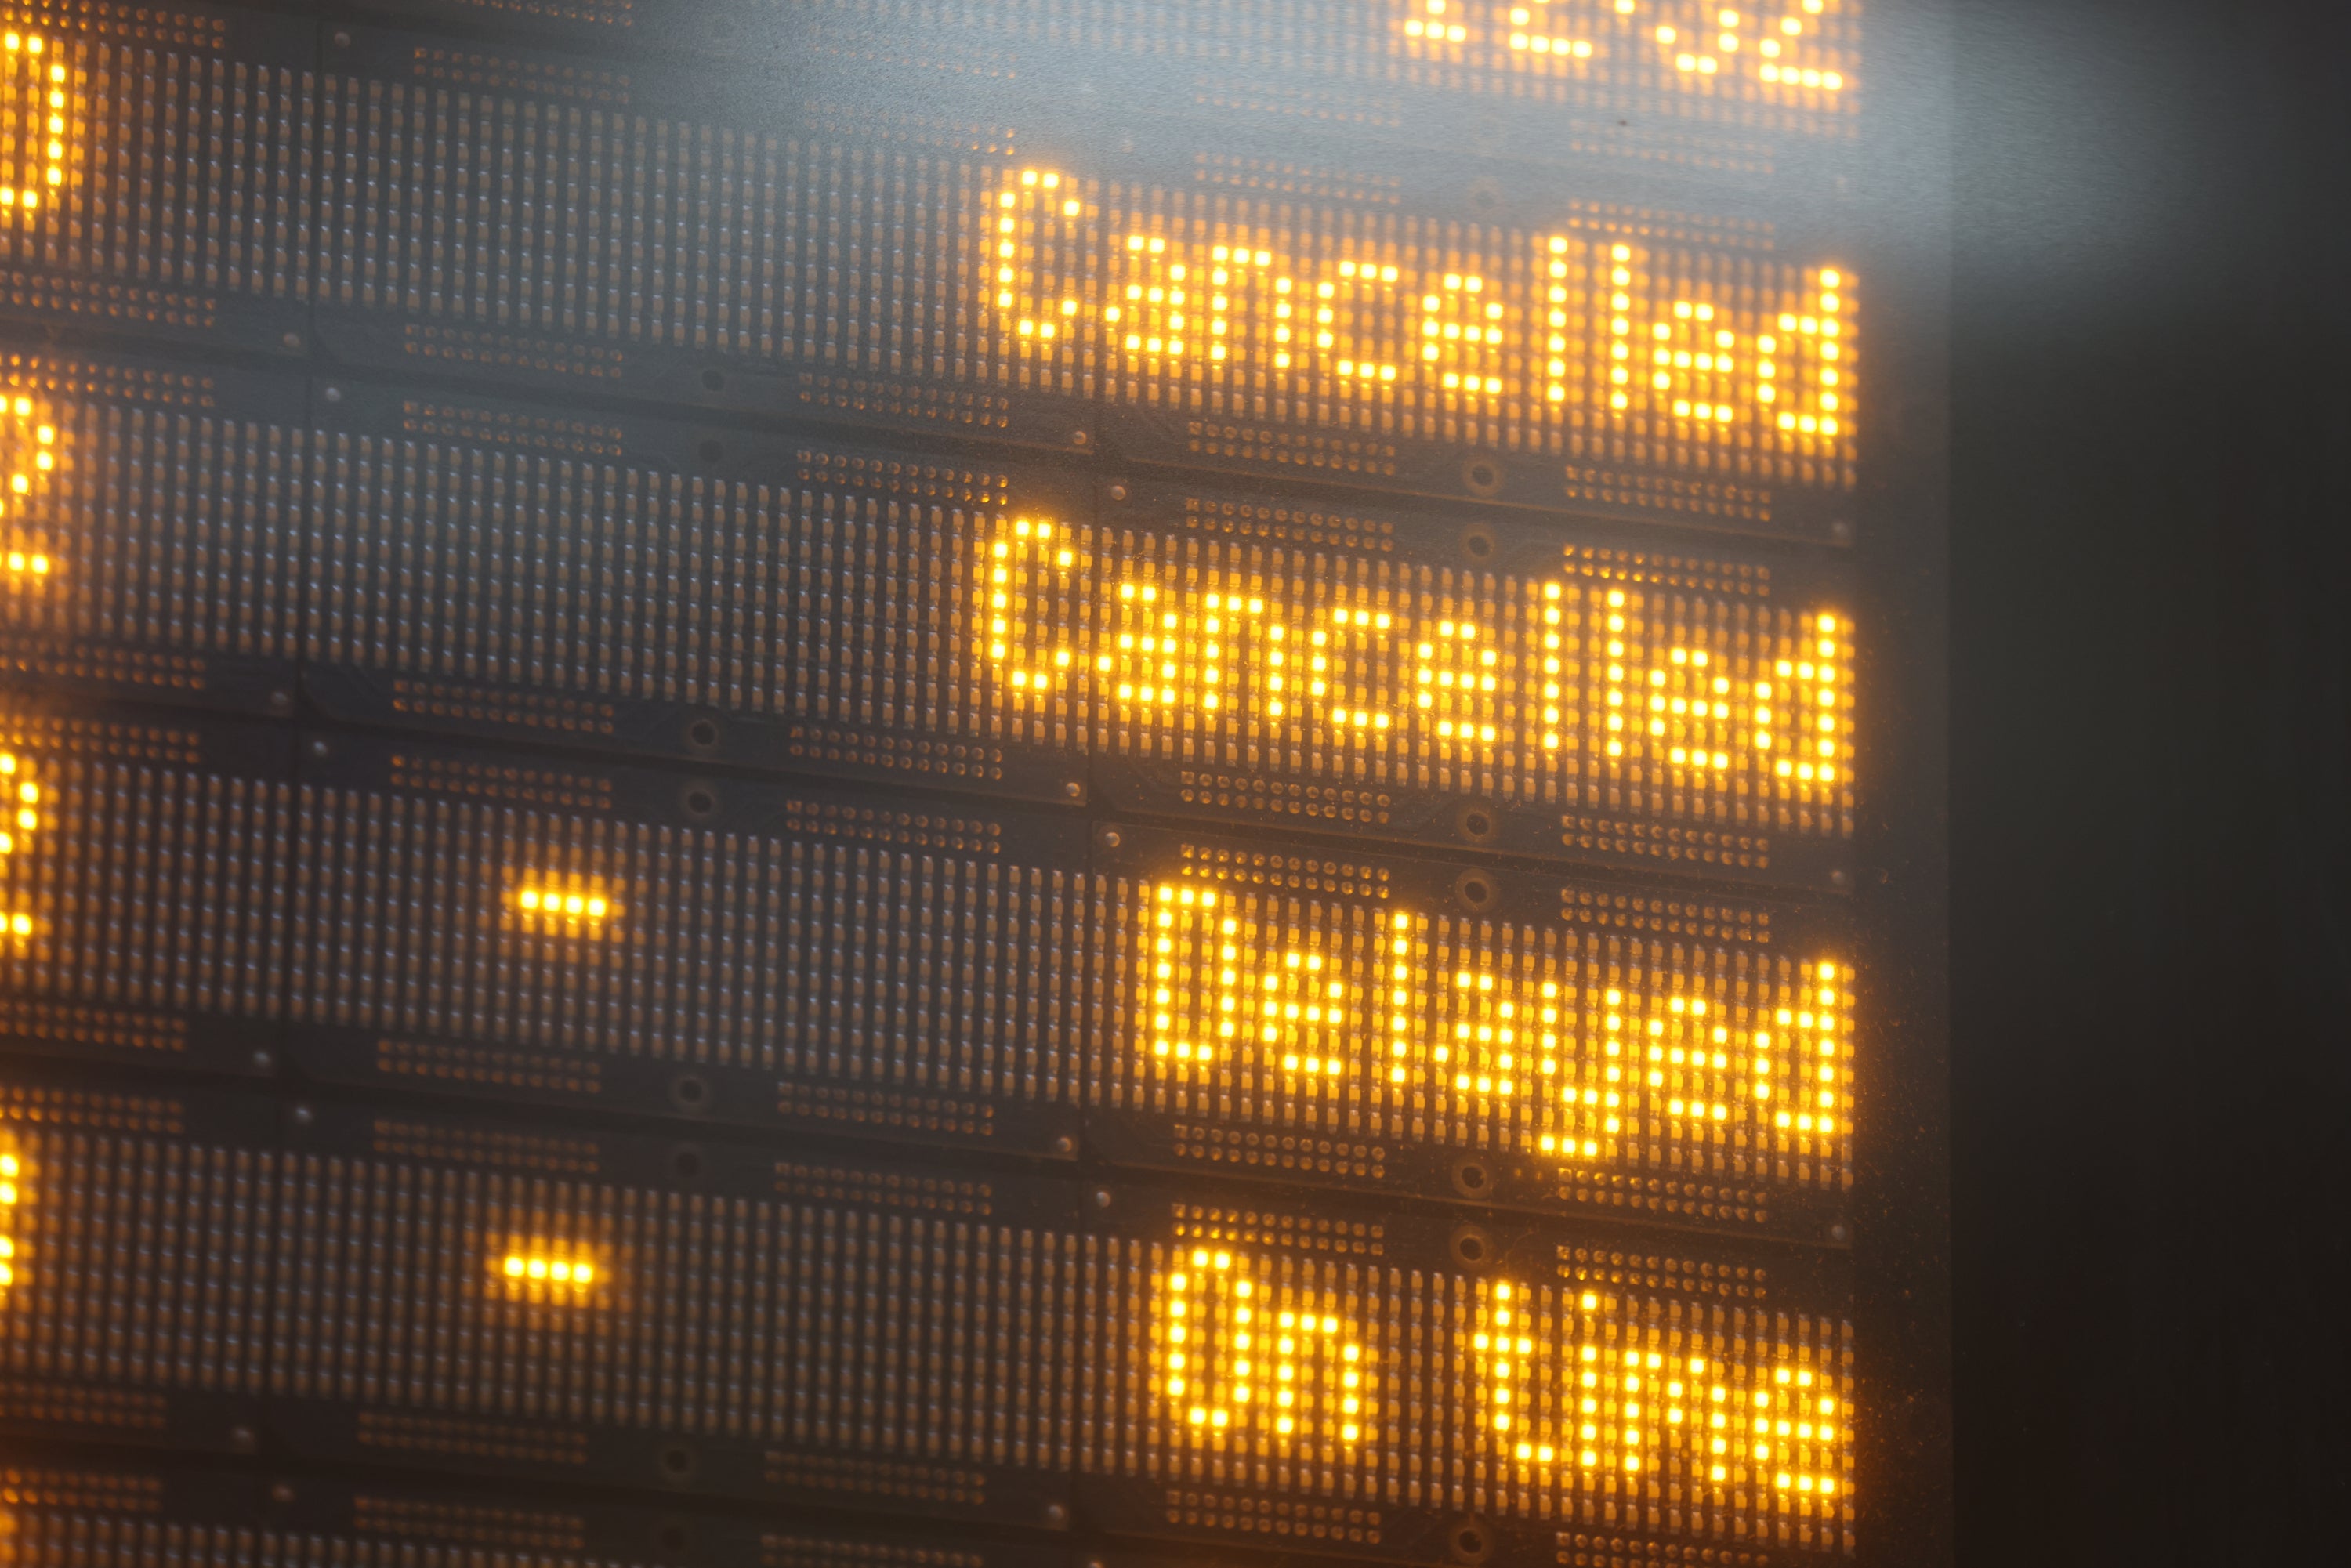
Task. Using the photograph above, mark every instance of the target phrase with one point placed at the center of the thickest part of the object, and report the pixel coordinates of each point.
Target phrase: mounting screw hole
(686, 1163)
(701, 735)
(1469, 1542)
(676, 1461)
(1482, 476)
(1473, 1178)
(713, 380)
(1475, 889)
(690, 1091)
(1471, 1246)
(1477, 823)
(699, 803)
(1478, 544)
(1118, 492)
(1485, 195)
(711, 449)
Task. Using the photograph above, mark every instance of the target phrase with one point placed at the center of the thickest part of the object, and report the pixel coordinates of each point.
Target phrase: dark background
(2150, 1034)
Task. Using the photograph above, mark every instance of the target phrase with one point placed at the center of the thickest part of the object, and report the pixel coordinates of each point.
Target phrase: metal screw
(263, 1061)
(1079, 438)
(334, 394)
(342, 40)
(303, 1115)
(1840, 878)
(282, 1492)
(1111, 840)
(1836, 1232)
(292, 339)
(1118, 492)
(318, 747)
(1074, 789)
(1056, 1516)
(244, 1439)
(1841, 531)
(1102, 1198)
(281, 702)
(1065, 1146)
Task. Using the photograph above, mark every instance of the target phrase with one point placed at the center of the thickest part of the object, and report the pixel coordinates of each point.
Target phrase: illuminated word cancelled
(1789, 51)
(37, 127)
(1404, 1019)
(1744, 705)
(1262, 1366)
(1738, 361)
(1564, 1392)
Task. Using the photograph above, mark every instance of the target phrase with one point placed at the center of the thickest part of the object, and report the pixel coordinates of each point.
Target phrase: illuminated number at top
(1788, 49)
(36, 127)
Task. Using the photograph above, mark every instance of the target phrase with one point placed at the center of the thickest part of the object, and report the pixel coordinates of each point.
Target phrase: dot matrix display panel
(926, 1341)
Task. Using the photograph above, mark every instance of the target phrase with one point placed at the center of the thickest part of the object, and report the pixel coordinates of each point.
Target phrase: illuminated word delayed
(1562, 1054)
(1561, 1391)
(1745, 358)
(1742, 702)
(1780, 50)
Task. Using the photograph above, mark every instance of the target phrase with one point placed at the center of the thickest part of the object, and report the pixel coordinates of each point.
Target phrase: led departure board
(1059, 784)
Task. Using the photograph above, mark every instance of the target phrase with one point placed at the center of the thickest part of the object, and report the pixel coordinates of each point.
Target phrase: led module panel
(560, 222)
(409, 918)
(438, 560)
(543, 1303)
(414, 917)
